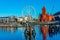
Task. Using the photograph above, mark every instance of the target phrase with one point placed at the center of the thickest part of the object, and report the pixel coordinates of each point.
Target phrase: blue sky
(14, 7)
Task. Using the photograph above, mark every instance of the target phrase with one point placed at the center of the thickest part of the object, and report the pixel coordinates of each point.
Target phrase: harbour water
(18, 34)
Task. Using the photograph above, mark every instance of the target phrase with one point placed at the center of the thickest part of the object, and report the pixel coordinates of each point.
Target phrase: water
(18, 34)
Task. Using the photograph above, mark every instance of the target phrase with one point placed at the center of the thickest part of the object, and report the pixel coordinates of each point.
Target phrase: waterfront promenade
(21, 24)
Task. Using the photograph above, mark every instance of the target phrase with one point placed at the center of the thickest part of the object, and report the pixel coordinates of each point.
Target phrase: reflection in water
(24, 34)
(53, 30)
(9, 29)
(44, 30)
(30, 33)
(58, 29)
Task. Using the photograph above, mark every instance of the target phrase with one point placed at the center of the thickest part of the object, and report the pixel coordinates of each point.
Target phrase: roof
(57, 13)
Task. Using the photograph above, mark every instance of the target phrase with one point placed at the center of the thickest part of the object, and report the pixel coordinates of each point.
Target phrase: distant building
(45, 17)
(8, 19)
(57, 16)
(20, 19)
(15, 19)
(28, 18)
(12, 19)
(3, 19)
(25, 18)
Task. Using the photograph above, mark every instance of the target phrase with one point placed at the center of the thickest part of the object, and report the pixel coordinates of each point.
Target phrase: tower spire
(44, 10)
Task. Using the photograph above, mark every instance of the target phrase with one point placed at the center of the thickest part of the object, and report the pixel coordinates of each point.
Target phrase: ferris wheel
(29, 10)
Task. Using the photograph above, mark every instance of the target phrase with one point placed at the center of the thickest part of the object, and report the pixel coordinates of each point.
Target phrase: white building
(20, 19)
(28, 18)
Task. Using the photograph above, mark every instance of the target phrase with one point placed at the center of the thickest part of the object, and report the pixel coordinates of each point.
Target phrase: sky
(15, 7)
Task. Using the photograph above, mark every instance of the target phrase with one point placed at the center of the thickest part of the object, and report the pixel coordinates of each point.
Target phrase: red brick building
(45, 17)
